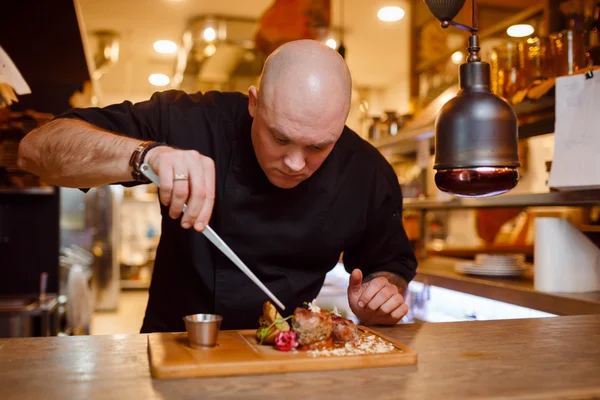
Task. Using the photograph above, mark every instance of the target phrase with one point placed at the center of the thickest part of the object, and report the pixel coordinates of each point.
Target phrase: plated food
(317, 331)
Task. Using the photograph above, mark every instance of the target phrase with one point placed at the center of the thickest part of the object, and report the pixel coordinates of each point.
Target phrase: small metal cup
(202, 329)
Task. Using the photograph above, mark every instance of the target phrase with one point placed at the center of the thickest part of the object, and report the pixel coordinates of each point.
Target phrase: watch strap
(137, 159)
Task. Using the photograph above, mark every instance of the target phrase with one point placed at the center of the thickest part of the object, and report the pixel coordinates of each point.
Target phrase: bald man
(276, 174)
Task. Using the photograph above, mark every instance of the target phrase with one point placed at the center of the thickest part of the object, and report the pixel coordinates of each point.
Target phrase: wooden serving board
(238, 353)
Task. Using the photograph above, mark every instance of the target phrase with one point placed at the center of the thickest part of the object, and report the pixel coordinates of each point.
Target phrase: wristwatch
(137, 159)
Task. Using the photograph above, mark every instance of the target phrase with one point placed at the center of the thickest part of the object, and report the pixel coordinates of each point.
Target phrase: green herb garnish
(264, 332)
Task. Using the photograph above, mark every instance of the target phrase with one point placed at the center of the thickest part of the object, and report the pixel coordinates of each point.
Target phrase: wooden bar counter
(439, 271)
(545, 358)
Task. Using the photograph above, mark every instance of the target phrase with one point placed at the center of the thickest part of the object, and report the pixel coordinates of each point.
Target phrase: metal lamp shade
(476, 139)
(445, 10)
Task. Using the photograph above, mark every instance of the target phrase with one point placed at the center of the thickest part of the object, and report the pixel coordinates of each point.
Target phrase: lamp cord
(473, 40)
(473, 16)
(341, 48)
(341, 21)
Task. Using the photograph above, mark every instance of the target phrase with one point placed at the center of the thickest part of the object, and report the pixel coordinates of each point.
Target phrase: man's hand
(186, 177)
(377, 302)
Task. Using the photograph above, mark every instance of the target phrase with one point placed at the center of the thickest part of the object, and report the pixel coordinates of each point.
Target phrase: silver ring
(180, 177)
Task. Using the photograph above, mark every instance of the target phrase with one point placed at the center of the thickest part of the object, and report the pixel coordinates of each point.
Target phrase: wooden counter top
(439, 271)
(533, 358)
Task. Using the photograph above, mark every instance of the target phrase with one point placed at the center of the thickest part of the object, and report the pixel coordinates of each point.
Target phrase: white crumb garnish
(365, 345)
(336, 312)
(312, 306)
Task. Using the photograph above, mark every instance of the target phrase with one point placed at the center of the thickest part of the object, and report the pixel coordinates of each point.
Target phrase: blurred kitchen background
(81, 263)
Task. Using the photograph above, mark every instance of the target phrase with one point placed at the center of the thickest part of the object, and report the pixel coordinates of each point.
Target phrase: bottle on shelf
(593, 36)
(573, 15)
(375, 132)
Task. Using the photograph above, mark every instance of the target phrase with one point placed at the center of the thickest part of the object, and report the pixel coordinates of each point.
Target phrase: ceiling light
(165, 46)
(390, 14)
(520, 30)
(210, 50)
(457, 57)
(209, 34)
(331, 43)
(159, 79)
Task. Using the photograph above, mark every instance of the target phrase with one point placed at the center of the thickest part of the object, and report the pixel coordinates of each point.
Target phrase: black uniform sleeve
(147, 120)
(384, 245)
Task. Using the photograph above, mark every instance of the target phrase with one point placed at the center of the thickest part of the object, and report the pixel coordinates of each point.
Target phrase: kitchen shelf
(406, 140)
(550, 199)
(590, 228)
(439, 271)
(470, 252)
(134, 284)
(49, 190)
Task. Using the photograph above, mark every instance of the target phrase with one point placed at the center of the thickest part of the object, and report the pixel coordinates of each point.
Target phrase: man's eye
(316, 148)
(281, 140)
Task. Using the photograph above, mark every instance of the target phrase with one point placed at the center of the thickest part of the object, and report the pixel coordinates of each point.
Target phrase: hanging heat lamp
(476, 132)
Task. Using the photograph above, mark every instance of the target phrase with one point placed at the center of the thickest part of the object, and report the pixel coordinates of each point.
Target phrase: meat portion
(344, 330)
(312, 327)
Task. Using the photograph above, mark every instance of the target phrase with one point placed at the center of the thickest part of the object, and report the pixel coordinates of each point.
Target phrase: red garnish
(285, 341)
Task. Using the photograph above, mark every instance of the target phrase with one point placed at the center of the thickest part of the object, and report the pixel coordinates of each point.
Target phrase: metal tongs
(220, 244)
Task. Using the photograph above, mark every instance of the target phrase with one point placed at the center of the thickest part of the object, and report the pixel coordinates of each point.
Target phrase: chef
(276, 173)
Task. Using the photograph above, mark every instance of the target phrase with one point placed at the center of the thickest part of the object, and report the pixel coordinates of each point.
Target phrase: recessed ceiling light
(209, 34)
(520, 30)
(165, 46)
(331, 43)
(390, 14)
(159, 79)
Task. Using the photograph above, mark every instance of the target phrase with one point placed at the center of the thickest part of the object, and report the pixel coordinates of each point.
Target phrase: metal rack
(46, 190)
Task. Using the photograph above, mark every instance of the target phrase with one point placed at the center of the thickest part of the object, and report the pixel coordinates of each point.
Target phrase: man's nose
(294, 161)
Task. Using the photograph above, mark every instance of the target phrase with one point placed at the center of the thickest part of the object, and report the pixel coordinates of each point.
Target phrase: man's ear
(253, 101)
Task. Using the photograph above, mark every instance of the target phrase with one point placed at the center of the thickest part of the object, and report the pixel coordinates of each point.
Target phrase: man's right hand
(194, 186)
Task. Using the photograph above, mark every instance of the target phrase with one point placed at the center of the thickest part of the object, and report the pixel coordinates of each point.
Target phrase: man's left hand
(376, 302)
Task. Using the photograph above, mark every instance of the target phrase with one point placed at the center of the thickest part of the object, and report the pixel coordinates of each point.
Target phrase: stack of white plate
(494, 265)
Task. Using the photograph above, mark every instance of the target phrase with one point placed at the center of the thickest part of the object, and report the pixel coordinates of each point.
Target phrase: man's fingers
(385, 293)
(209, 194)
(372, 288)
(165, 178)
(195, 200)
(181, 188)
(186, 177)
(392, 304)
(400, 312)
(356, 278)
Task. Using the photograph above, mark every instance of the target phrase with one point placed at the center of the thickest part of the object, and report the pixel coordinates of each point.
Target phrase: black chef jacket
(290, 238)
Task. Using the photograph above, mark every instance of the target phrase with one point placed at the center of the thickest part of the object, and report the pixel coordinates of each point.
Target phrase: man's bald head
(308, 71)
(299, 110)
